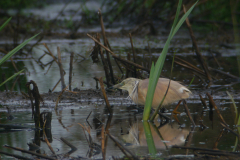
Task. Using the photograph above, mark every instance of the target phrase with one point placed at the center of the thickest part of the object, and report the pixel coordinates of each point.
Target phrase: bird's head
(127, 84)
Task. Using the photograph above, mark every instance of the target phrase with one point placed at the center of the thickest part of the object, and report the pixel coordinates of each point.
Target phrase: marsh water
(126, 124)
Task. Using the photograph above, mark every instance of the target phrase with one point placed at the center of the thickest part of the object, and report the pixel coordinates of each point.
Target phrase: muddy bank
(83, 98)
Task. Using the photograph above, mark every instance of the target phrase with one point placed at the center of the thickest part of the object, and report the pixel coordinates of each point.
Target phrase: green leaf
(12, 52)
(149, 138)
(13, 76)
(159, 64)
(4, 24)
(182, 20)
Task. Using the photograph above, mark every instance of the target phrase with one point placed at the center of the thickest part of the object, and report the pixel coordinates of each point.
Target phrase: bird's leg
(175, 110)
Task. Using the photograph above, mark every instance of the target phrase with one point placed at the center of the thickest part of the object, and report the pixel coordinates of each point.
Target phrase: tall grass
(236, 121)
(150, 142)
(156, 70)
(12, 52)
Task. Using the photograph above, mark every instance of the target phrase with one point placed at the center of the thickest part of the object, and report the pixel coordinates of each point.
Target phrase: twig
(14, 83)
(103, 61)
(15, 155)
(199, 55)
(29, 152)
(105, 95)
(211, 102)
(105, 44)
(215, 59)
(103, 143)
(224, 73)
(73, 148)
(188, 140)
(70, 70)
(134, 56)
(150, 56)
(59, 97)
(88, 115)
(160, 105)
(191, 68)
(61, 68)
(37, 97)
(55, 59)
(188, 113)
(127, 70)
(225, 126)
(115, 56)
(205, 149)
(56, 85)
(61, 11)
(203, 101)
(48, 144)
(218, 139)
(122, 148)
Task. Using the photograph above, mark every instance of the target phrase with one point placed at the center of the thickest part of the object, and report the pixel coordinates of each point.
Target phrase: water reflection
(126, 125)
(164, 136)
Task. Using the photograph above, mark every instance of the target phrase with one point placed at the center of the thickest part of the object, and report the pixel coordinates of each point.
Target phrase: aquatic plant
(157, 68)
(12, 52)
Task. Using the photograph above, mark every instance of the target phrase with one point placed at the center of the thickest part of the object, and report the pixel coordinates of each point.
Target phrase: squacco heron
(137, 90)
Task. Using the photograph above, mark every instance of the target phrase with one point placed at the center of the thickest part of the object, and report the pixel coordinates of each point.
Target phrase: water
(126, 124)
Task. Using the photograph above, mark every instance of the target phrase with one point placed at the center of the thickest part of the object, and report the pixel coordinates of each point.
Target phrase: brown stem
(211, 102)
(134, 56)
(199, 55)
(105, 44)
(70, 70)
(103, 62)
(116, 57)
(61, 68)
(105, 95)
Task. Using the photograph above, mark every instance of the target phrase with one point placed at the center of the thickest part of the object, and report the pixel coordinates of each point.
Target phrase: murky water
(126, 126)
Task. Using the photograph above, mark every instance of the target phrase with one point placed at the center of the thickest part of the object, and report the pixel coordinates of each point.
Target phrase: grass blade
(235, 108)
(149, 138)
(182, 20)
(12, 52)
(13, 76)
(159, 64)
(5, 23)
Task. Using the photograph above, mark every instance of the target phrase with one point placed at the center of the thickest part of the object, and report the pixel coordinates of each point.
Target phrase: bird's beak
(117, 86)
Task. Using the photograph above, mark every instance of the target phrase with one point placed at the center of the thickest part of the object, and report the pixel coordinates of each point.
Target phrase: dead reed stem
(62, 72)
(48, 144)
(116, 57)
(211, 102)
(188, 113)
(122, 148)
(105, 95)
(103, 143)
(103, 62)
(70, 70)
(73, 148)
(105, 44)
(15, 155)
(134, 56)
(56, 85)
(29, 152)
(37, 97)
(59, 97)
(199, 55)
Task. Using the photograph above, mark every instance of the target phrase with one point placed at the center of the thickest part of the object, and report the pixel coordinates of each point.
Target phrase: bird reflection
(165, 136)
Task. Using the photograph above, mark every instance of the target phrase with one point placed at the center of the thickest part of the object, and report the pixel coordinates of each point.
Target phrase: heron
(137, 90)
